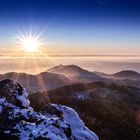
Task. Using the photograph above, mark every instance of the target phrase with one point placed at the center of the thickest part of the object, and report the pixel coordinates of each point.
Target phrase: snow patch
(82, 95)
(23, 98)
(79, 130)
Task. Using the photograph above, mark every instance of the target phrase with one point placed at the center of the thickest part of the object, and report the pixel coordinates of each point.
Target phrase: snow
(42, 130)
(23, 98)
(82, 95)
(79, 131)
(25, 123)
(0, 109)
(7, 132)
(33, 124)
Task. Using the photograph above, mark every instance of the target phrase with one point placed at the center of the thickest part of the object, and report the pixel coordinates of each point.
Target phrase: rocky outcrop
(14, 93)
(18, 121)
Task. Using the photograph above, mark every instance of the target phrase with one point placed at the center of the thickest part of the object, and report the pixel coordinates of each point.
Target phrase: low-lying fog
(106, 64)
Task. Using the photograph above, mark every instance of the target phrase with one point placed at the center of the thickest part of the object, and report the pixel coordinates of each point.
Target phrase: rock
(14, 93)
(18, 121)
(78, 129)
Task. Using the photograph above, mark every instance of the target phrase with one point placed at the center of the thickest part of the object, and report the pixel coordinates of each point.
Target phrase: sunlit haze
(98, 31)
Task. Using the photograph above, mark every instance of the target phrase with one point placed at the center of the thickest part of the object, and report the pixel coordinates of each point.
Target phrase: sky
(98, 35)
(95, 27)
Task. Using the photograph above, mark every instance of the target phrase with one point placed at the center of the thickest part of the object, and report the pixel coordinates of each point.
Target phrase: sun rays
(31, 48)
(30, 43)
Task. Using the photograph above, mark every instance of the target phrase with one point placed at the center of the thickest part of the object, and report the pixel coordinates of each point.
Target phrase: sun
(30, 44)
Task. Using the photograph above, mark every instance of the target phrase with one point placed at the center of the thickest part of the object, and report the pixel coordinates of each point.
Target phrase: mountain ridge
(62, 75)
(124, 74)
(127, 74)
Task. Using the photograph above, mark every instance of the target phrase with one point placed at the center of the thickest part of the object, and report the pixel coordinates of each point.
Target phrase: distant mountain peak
(69, 70)
(64, 67)
(76, 73)
(127, 74)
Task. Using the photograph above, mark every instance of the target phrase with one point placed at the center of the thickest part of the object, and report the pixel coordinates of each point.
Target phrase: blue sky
(88, 23)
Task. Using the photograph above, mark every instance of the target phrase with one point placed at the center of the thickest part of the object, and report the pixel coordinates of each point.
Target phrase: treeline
(112, 117)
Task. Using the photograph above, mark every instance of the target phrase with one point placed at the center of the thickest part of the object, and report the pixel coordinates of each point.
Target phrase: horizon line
(22, 72)
(65, 55)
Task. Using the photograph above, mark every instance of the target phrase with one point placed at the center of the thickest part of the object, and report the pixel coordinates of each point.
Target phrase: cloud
(101, 3)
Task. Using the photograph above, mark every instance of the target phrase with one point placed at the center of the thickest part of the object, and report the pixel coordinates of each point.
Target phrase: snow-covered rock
(18, 121)
(78, 129)
(14, 93)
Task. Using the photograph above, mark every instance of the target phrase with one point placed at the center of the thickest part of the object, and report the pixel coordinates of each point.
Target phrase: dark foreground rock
(18, 121)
